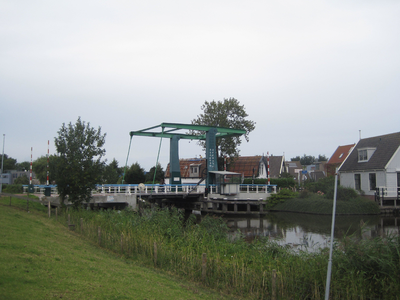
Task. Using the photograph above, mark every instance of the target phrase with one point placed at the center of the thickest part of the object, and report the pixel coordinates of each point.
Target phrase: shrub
(322, 185)
(280, 197)
(13, 188)
(343, 194)
(280, 182)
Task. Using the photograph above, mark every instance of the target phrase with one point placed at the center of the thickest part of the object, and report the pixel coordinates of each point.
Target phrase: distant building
(10, 176)
(193, 169)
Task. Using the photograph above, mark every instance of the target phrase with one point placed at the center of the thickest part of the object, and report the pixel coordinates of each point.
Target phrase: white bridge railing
(159, 189)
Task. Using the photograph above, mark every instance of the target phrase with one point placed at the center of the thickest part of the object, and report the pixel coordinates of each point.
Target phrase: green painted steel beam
(171, 127)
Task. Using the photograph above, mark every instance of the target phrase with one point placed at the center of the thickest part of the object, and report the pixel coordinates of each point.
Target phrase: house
(192, 170)
(294, 168)
(316, 171)
(10, 176)
(374, 162)
(337, 158)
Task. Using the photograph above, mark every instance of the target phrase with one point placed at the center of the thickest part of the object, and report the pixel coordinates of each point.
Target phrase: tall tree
(9, 163)
(23, 166)
(112, 172)
(79, 164)
(135, 174)
(159, 174)
(228, 113)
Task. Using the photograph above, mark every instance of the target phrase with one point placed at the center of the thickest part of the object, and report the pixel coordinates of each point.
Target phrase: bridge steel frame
(197, 132)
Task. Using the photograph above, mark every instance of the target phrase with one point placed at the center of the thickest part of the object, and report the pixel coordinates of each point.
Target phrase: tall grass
(363, 269)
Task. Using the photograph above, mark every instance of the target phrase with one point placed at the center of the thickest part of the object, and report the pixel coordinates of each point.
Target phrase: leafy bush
(343, 194)
(280, 182)
(13, 188)
(322, 185)
(280, 197)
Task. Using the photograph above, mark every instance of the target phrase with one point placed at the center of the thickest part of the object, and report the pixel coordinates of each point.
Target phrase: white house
(374, 162)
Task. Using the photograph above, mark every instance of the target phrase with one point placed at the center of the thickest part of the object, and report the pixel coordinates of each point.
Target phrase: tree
(24, 166)
(135, 174)
(159, 174)
(9, 163)
(22, 180)
(112, 172)
(307, 160)
(39, 166)
(79, 166)
(230, 114)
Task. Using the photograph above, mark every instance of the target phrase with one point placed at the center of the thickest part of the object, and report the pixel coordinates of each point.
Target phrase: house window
(357, 182)
(365, 154)
(372, 181)
(194, 171)
(261, 169)
(362, 155)
(398, 179)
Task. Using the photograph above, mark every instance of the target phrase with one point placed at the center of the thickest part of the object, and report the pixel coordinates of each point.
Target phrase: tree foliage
(9, 163)
(39, 166)
(307, 160)
(79, 164)
(135, 174)
(112, 173)
(159, 178)
(228, 113)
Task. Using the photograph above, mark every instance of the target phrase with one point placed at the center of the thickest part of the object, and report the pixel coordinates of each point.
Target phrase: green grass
(41, 259)
(362, 269)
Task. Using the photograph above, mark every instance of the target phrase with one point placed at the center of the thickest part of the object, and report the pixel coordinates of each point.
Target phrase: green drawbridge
(173, 131)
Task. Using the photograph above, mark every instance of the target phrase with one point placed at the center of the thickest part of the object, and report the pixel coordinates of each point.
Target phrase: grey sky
(311, 74)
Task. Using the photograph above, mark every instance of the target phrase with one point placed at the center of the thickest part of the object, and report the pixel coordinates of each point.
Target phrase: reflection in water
(310, 232)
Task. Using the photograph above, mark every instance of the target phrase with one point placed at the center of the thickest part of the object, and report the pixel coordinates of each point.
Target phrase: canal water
(311, 232)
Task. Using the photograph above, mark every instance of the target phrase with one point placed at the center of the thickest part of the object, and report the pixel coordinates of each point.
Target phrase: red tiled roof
(340, 154)
(244, 165)
(185, 164)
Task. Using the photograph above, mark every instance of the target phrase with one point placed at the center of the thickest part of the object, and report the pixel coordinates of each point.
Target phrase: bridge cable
(158, 156)
(127, 156)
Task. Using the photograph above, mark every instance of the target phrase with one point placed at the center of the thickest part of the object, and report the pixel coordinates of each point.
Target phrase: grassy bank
(362, 269)
(41, 259)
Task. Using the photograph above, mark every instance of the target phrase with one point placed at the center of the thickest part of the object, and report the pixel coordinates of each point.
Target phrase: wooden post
(155, 254)
(49, 208)
(122, 243)
(99, 234)
(69, 219)
(204, 267)
(273, 285)
(81, 225)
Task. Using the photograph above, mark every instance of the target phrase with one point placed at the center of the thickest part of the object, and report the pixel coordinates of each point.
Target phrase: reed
(243, 268)
(362, 269)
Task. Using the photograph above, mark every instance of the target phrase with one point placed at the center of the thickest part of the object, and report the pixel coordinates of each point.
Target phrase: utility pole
(2, 163)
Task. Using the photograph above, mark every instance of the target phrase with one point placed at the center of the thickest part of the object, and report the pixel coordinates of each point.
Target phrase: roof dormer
(364, 154)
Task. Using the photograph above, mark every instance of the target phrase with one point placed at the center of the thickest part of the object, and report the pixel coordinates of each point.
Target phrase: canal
(310, 232)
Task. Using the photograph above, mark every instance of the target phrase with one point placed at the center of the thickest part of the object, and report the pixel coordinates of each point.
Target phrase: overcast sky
(310, 73)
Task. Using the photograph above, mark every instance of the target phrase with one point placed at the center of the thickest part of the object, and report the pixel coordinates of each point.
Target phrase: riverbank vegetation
(317, 198)
(41, 259)
(204, 253)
